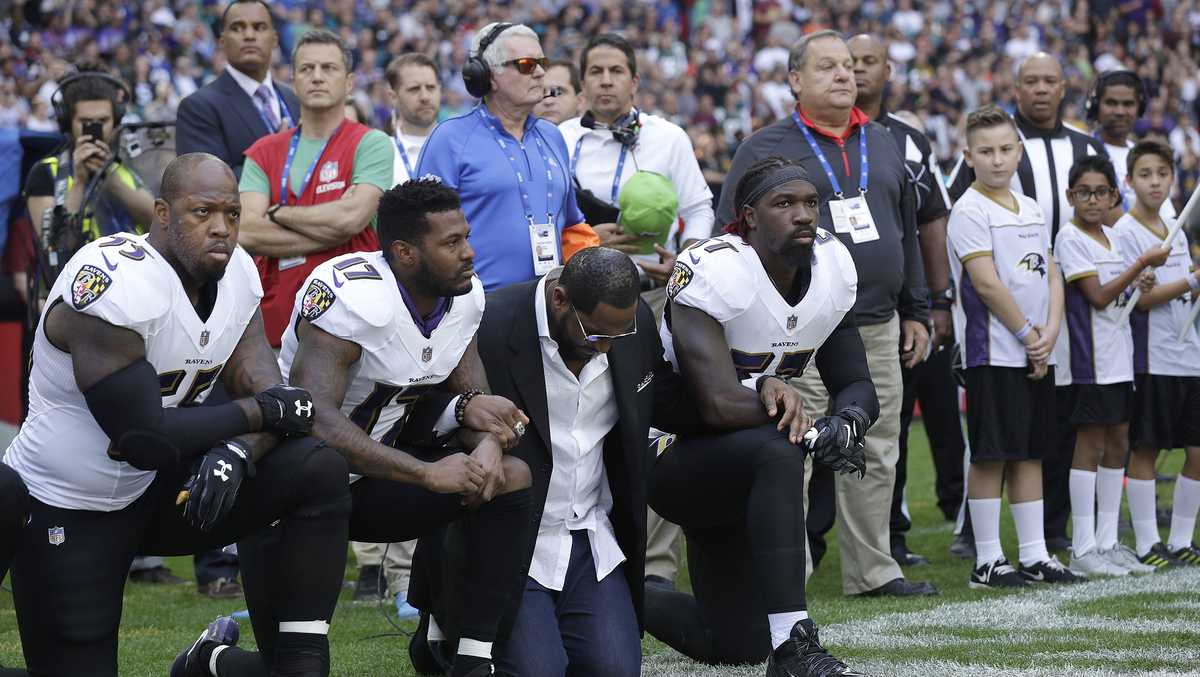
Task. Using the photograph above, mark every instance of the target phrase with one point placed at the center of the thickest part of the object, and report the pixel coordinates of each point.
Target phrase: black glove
(214, 488)
(286, 410)
(838, 441)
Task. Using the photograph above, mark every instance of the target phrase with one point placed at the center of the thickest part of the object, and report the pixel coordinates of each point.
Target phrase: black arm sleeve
(913, 302)
(842, 361)
(128, 407)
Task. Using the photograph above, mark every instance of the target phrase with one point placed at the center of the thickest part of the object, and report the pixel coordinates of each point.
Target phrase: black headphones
(1091, 107)
(63, 116)
(625, 129)
(476, 74)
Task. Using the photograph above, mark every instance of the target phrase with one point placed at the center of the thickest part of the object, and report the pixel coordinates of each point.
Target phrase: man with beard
(370, 333)
(135, 331)
(748, 312)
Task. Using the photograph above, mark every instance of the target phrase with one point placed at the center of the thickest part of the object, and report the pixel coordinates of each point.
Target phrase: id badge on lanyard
(544, 246)
(850, 215)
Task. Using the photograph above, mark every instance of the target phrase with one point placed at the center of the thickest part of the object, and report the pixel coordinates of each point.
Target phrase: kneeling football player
(748, 311)
(136, 330)
(371, 332)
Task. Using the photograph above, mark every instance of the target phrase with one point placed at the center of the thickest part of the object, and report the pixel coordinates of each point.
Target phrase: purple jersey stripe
(1139, 324)
(1083, 346)
(978, 341)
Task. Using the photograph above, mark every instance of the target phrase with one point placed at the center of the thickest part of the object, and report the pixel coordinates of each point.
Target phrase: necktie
(263, 97)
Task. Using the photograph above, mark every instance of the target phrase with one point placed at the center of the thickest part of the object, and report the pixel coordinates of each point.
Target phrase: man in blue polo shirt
(510, 167)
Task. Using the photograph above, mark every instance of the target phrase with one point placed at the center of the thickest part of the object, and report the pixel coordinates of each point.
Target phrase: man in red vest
(336, 171)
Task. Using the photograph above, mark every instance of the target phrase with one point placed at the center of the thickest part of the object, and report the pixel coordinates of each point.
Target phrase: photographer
(88, 106)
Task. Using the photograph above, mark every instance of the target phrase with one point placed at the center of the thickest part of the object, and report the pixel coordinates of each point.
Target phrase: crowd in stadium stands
(710, 66)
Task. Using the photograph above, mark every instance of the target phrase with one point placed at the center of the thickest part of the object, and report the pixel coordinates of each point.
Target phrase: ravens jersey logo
(1034, 263)
(89, 285)
(317, 300)
(681, 275)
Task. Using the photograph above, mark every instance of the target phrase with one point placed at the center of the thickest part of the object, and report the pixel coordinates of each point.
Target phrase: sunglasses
(528, 64)
(596, 338)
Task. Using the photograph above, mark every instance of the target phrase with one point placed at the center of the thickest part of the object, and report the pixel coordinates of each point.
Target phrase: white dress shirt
(582, 412)
(412, 146)
(250, 86)
(662, 147)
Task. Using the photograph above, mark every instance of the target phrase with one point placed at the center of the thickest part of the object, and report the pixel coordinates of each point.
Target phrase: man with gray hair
(868, 200)
(510, 167)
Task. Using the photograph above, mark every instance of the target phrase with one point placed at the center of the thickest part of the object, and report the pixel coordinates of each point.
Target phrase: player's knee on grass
(516, 475)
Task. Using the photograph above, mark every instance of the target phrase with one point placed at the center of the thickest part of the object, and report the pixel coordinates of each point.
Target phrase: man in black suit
(226, 116)
(580, 354)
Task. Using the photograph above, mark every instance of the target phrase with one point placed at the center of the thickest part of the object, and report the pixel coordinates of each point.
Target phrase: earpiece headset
(625, 129)
(1091, 107)
(476, 74)
(62, 115)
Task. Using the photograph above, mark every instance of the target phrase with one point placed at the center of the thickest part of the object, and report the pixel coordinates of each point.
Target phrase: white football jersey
(1100, 348)
(1019, 244)
(355, 297)
(724, 278)
(1156, 349)
(60, 451)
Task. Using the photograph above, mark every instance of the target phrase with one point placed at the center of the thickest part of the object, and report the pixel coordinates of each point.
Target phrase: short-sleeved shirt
(111, 215)
(1019, 244)
(372, 164)
(1156, 348)
(505, 186)
(1100, 348)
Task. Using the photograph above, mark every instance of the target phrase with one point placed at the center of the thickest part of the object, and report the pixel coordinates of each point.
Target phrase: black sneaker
(193, 662)
(1188, 555)
(427, 658)
(803, 656)
(997, 574)
(367, 589)
(472, 666)
(1160, 558)
(1049, 571)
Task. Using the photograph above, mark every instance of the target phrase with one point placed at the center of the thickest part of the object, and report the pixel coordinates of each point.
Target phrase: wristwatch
(944, 299)
(271, 214)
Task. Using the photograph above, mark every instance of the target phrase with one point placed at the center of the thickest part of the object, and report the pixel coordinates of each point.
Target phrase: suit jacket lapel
(623, 368)
(243, 106)
(525, 366)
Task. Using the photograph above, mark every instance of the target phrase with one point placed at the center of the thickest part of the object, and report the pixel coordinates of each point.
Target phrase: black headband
(774, 179)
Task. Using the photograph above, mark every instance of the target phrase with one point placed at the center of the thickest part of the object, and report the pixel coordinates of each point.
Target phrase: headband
(776, 178)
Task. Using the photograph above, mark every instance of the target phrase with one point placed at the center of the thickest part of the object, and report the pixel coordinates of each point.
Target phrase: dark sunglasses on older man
(528, 64)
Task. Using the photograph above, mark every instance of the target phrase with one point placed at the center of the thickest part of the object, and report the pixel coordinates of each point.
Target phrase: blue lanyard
(521, 179)
(287, 166)
(833, 182)
(403, 155)
(616, 185)
(284, 115)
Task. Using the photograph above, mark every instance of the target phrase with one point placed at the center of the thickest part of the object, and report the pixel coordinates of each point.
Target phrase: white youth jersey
(1100, 348)
(1019, 244)
(355, 297)
(725, 278)
(1156, 349)
(60, 451)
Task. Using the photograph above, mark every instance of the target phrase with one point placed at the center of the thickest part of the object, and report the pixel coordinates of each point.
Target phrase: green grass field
(1143, 626)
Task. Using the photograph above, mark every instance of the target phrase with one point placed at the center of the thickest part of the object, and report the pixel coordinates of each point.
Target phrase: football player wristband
(1024, 331)
(460, 408)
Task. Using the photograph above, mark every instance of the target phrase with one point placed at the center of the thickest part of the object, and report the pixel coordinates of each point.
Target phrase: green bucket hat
(648, 206)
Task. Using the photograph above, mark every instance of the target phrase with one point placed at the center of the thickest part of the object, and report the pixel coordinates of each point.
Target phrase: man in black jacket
(226, 116)
(580, 355)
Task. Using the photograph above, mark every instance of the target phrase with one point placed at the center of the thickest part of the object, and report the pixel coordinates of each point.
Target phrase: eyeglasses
(556, 91)
(528, 64)
(596, 338)
(1083, 194)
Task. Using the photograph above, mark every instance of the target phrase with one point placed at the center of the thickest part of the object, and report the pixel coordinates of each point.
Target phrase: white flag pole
(1184, 217)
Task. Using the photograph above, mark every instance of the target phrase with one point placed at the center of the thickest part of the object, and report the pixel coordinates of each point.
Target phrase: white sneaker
(1094, 563)
(1123, 556)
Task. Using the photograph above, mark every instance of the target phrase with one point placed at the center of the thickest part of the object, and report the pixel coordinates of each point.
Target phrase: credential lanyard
(403, 155)
(864, 169)
(616, 185)
(287, 165)
(284, 115)
(522, 180)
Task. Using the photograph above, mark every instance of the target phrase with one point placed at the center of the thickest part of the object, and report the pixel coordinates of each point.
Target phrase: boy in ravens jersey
(135, 331)
(1101, 364)
(748, 311)
(372, 331)
(1166, 410)
(1007, 318)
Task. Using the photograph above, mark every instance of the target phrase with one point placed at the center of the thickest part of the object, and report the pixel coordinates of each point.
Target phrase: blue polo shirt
(492, 171)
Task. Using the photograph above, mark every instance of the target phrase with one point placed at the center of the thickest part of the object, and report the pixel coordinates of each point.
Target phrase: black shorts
(1107, 404)
(1009, 416)
(1166, 411)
